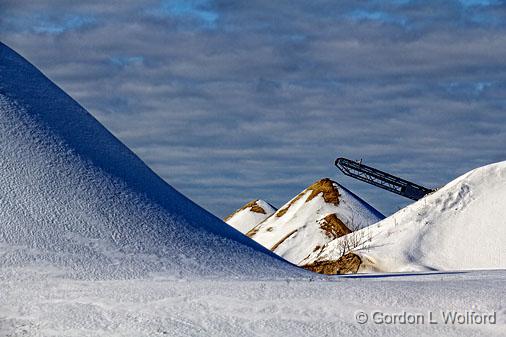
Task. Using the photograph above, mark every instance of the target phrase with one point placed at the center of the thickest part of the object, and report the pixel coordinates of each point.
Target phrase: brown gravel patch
(253, 231)
(325, 186)
(346, 264)
(333, 226)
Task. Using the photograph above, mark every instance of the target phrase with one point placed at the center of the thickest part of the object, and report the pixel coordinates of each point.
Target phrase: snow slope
(74, 198)
(319, 214)
(250, 215)
(460, 226)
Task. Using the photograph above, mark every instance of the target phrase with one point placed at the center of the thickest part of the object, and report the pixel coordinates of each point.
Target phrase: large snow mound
(250, 215)
(460, 226)
(74, 199)
(322, 212)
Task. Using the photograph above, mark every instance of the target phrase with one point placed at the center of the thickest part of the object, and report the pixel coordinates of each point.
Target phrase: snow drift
(322, 212)
(74, 198)
(460, 226)
(250, 215)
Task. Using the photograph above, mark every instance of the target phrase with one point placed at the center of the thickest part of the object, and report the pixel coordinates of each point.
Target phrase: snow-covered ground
(322, 212)
(38, 305)
(460, 226)
(250, 215)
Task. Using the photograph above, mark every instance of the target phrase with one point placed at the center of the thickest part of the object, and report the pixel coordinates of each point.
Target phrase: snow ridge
(74, 198)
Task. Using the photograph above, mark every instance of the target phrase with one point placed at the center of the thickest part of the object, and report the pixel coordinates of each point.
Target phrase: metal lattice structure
(381, 179)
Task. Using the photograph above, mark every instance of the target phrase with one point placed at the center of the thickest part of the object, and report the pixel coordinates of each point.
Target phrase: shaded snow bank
(74, 198)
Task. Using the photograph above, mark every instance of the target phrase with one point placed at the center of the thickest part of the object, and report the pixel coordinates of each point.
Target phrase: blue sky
(234, 100)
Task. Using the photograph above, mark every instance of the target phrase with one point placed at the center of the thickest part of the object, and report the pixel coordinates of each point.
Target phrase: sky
(230, 101)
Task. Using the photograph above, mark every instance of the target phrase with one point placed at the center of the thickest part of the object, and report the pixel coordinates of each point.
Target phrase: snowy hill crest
(460, 226)
(250, 215)
(322, 212)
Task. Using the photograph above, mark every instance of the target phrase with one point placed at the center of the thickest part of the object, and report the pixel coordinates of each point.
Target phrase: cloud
(41, 24)
(123, 61)
(235, 100)
(472, 3)
(198, 9)
(384, 17)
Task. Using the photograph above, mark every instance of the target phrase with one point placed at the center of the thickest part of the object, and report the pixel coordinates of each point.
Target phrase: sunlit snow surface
(460, 226)
(245, 219)
(298, 233)
(36, 305)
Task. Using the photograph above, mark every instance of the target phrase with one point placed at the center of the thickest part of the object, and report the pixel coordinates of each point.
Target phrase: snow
(38, 304)
(245, 218)
(299, 229)
(93, 243)
(73, 197)
(460, 226)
